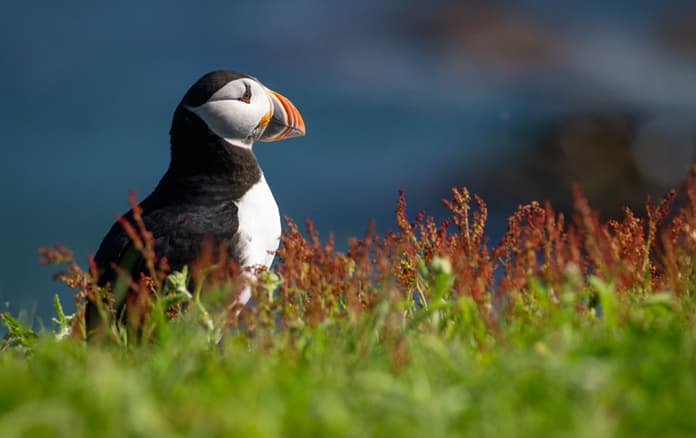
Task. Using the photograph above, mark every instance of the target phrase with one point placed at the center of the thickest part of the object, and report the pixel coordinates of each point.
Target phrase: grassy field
(581, 328)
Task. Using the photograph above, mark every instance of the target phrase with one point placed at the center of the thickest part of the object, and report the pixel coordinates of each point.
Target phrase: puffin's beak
(286, 121)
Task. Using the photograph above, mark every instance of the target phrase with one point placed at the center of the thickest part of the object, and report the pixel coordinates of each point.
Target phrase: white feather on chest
(259, 225)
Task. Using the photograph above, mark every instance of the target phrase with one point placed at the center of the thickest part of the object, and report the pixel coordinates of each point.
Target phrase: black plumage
(186, 208)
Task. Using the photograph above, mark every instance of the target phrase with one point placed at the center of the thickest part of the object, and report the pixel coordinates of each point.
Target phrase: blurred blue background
(515, 100)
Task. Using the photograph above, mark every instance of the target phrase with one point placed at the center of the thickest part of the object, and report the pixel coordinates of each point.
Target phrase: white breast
(259, 225)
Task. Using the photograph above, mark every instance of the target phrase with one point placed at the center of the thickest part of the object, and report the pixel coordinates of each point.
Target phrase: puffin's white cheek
(228, 119)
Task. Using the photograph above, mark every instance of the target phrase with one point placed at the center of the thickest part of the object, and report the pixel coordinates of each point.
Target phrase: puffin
(214, 191)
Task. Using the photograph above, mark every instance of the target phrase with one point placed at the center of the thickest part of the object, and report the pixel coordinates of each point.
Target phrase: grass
(571, 328)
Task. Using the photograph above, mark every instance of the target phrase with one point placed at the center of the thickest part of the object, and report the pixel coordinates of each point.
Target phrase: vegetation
(566, 327)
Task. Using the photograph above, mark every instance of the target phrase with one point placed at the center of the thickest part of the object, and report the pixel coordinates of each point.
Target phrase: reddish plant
(637, 254)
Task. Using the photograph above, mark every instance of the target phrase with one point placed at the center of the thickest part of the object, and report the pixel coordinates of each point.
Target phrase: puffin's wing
(178, 237)
(117, 249)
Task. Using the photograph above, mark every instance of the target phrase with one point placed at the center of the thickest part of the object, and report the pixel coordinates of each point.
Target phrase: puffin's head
(239, 109)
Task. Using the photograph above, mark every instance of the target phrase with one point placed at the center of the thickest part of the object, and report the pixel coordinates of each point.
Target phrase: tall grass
(568, 325)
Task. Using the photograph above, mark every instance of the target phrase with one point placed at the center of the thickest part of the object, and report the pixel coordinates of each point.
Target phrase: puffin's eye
(246, 98)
